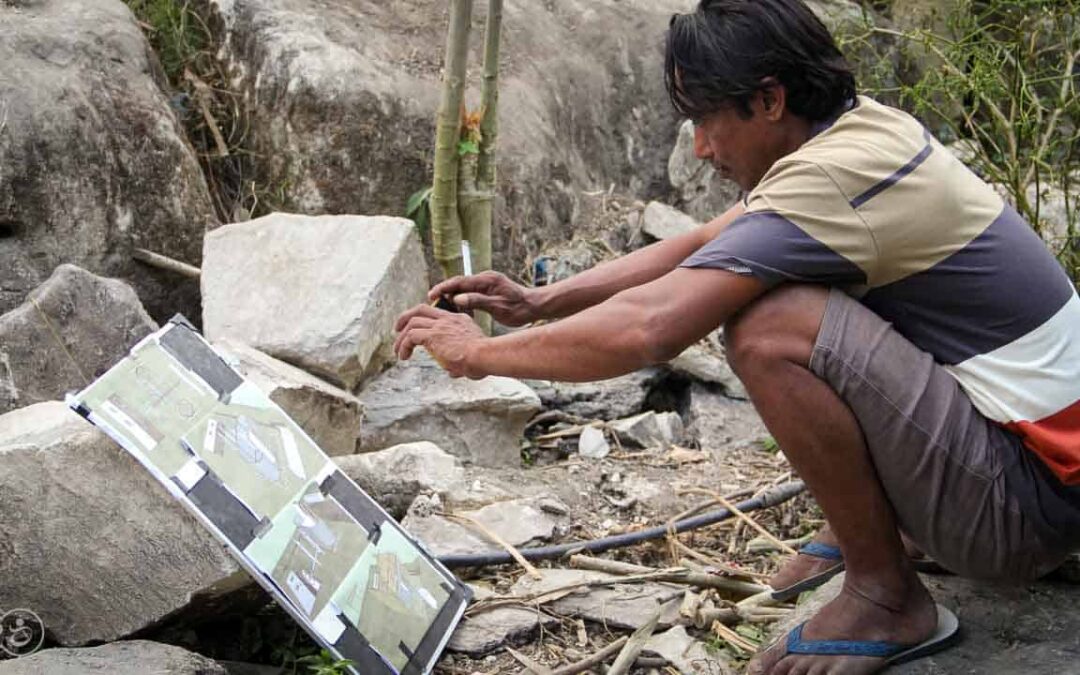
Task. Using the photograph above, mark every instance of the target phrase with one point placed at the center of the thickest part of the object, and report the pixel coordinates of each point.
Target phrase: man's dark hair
(725, 51)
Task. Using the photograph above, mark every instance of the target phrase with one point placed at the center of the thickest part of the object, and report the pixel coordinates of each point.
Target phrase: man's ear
(773, 97)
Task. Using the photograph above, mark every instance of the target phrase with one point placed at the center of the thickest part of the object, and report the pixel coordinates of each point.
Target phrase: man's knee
(781, 325)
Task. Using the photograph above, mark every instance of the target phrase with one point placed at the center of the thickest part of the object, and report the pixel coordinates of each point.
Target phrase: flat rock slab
(627, 606)
(706, 362)
(485, 632)
(611, 399)
(88, 539)
(95, 161)
(71, 329)
(135, 657)
(1007, 630)
(687, 655)
(394, 477)
(478, 421)
(330, 415)
(661, 221)
(519, 522)
(721, 423)
(321, 293)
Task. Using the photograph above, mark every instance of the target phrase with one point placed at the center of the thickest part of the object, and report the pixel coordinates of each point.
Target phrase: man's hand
(508, 303)
(447, 336)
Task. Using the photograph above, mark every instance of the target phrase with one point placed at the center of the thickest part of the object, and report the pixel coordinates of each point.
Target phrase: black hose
(777, 495)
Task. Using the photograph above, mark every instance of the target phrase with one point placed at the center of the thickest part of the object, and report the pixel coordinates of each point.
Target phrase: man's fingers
(410, 340)
(443, 287)
(484, 282)
(414, 323)
(420, 310)
(471, 301)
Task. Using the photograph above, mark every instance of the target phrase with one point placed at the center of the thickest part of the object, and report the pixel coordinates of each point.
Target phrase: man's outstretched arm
(515, 305)
(635, 328)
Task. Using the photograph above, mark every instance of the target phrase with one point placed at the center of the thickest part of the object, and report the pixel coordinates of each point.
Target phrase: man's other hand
(509, 303)
(447, 336)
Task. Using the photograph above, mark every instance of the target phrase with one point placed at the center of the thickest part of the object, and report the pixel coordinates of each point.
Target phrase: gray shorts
(965, 490)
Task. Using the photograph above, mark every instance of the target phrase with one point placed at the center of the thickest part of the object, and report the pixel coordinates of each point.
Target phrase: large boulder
(71, 329)
(479, 421)
(94, 162)
(321, 293)
(88, 540)
(343, 97)
(135, 657)
(331, 416)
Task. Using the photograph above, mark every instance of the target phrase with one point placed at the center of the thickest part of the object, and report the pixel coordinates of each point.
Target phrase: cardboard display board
(331, 556)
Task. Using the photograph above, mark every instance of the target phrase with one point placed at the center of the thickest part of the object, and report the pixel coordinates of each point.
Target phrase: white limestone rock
(88, 539)
(394, 477)
(321, 293)
(330, 415)
(661, 221)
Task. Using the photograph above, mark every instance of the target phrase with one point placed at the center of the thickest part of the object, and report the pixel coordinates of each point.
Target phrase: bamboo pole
(445, 222)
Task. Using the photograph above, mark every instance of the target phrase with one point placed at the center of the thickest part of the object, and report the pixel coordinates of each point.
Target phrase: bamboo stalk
(590, 661)
(166, 263)
(445, 222)
(629, 653)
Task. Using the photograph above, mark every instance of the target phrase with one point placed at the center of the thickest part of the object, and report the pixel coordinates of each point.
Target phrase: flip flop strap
(796, 645)
(819, 550)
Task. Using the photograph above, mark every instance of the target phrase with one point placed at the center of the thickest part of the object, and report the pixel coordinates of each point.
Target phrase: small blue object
(819, 550)
(883, 650)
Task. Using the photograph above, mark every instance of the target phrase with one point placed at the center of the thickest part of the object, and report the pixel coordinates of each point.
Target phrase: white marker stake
(466, 258)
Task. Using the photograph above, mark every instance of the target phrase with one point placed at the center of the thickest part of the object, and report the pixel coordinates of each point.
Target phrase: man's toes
(765, 663)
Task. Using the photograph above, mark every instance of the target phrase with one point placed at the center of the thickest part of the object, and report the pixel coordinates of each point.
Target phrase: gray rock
(701, 192)
(717, 421)
(485, 632)
(321, 293)
(134, 657)
(519, 522)
(88, 539)
(344, 95)
(706, 362)
(607, 399)
(650, 429)
(688, 655)
(592, 444)
(94, 160)
(394, 477)
(1007, 630)
(71, 329)
(661, 221)
(627, 606)
(479, 421)
(331, 416)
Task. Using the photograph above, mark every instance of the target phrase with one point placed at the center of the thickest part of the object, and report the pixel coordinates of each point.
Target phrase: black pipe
(772, 497)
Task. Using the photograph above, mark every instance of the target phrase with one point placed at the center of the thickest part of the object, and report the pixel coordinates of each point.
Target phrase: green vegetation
(176, 32)
(324, 663)
(1001, 77)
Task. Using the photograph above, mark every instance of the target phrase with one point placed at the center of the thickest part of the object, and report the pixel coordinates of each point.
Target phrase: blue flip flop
(816, 550)
(830, 552)
(945, 635)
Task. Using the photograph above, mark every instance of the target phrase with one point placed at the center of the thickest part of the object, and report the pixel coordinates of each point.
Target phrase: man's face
(741, 149)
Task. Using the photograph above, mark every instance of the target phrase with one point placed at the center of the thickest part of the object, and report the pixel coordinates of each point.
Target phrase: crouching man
(904, 334)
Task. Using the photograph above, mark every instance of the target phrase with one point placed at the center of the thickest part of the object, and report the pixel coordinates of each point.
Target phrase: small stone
(688, 655)
(394, 477)
(705, 362)
(592, 444)
(650, 429)
(666, 222)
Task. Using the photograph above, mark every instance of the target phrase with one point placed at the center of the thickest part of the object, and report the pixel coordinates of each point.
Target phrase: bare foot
(804, 566)
(907, 618)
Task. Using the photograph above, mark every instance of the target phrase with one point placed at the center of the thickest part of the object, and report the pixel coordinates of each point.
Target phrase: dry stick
(588, 662)
(636, 643)
(530, 665)
(718, 565)
(733, 638)
(674, 575)
(202, 97)
(480, 527)
(166, 263)
(745, 518)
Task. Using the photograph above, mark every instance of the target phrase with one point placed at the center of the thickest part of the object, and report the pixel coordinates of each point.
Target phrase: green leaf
(416, 200)
(468, 148)
(769, 444)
